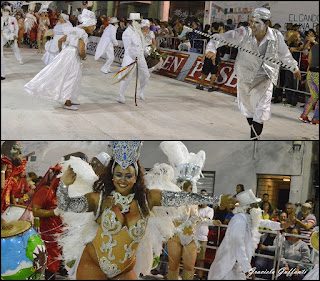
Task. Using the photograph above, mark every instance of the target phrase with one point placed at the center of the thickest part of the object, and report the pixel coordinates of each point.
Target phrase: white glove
(57, 212)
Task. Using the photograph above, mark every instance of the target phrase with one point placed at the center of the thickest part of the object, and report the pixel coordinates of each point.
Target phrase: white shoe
(141, 96)
(70, 107)
(105, 71)
(21, 62)
(121, 99)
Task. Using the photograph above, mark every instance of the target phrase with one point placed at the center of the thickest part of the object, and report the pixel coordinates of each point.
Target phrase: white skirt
(60, 80)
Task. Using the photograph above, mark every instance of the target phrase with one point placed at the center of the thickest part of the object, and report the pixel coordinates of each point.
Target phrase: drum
(13, 213)
(23, 253)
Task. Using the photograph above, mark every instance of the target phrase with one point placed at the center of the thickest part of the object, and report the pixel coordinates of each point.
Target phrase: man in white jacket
(133, 41)
(255, 77)
(107, 42)
(232, 260)
(9, 32)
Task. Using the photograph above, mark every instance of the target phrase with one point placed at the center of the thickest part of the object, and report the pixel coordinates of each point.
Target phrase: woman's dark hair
(268, 204)
(241, 186)
(105, 184)
(206, 28)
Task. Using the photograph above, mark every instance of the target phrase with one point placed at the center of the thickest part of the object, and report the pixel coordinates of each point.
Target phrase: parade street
(172, 109)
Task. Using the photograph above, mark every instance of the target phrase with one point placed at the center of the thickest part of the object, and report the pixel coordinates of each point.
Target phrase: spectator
(265, 215)
(296, 28)
(202, 235)
(266, 247)
(229, 215)
(306, 222)
(239, 188)
(313, 83)
(121, 28)
(229, 24)
(245, 23)
(289, 31)
(184, 44)
(220, 213)
(152, 26)
(294, 249)
(193, 37)
(277, 26)
(265, 198)
(99, 23)
(290, 212)
(157, 24)
(239, 24)
(295, 46)
(177, 27)
(206, 30)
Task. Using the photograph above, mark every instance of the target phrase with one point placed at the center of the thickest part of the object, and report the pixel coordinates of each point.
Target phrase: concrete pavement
(173, 110)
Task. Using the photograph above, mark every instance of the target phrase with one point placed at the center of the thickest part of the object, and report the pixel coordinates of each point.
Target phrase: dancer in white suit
(232, 260)
(9, 32)
(133, 41)
(106, 44)
(255, 76)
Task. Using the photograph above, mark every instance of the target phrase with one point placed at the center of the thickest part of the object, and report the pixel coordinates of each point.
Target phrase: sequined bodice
(116, 244)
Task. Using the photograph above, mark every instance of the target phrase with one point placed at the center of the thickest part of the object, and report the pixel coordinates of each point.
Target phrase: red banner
(226, 79)
(173, 63)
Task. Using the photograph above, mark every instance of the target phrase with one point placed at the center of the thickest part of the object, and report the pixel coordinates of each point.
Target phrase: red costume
(45, 197)
(14, 185)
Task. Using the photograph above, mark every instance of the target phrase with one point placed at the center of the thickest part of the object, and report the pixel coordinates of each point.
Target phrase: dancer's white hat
(113, 20)
(104, 158)
(145, 23)
(261, 13)
(87, 18)
(134, 16)
(65, 16)
(246, 198)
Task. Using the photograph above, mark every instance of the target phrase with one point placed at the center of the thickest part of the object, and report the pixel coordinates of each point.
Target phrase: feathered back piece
(160, 224)
(187, 166)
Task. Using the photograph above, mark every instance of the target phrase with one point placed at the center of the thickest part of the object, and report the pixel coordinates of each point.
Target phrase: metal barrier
(276, 257)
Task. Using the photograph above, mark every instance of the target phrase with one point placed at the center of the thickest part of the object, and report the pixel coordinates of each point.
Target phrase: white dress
(61, 79)
(51, 46)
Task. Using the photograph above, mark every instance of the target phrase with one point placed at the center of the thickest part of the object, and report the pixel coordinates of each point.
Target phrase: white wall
(233, 161)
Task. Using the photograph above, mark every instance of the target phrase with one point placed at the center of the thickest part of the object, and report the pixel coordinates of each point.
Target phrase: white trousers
(143, 75)
(109, 59)
(3, 66)
(254, 99)
(15, 48)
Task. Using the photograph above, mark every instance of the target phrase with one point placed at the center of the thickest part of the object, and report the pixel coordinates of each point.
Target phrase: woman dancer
(121, 203)
(184, 243)
(43, 26)
(20, 20)
(61, 79)
(61, 29)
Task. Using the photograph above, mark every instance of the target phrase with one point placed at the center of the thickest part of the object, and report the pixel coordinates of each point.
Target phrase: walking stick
(135, 94)
(264, 58)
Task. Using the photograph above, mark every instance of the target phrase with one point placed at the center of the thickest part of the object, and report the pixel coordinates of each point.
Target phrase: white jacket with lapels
(132, 43)
(13, 28)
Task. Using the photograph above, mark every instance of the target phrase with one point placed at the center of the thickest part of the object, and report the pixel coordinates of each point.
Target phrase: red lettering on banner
(226, 79)
(173, 64)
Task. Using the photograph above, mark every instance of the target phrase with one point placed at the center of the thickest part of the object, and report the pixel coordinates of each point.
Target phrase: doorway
(278, 188)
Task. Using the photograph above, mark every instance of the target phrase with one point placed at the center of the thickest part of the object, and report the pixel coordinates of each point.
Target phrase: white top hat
(145, 23)
(134, 16)
(246, 198)
(104, 158)
(113, 20)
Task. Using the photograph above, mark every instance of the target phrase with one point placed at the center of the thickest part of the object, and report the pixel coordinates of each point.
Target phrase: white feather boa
(80, 228)
(160, 225)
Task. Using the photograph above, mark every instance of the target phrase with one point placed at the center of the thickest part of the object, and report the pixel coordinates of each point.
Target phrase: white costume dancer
(51, 47)
(242, 237)
(133, 42)
(255, 77)
(9, 32)
(106, 44)
(61, 79)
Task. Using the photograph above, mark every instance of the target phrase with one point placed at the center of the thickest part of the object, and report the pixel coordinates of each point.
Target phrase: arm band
(67, 204)
(177, 199)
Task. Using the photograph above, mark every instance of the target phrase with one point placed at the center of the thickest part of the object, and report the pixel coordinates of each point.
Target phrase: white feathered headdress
(187, 166)
(17, 5)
